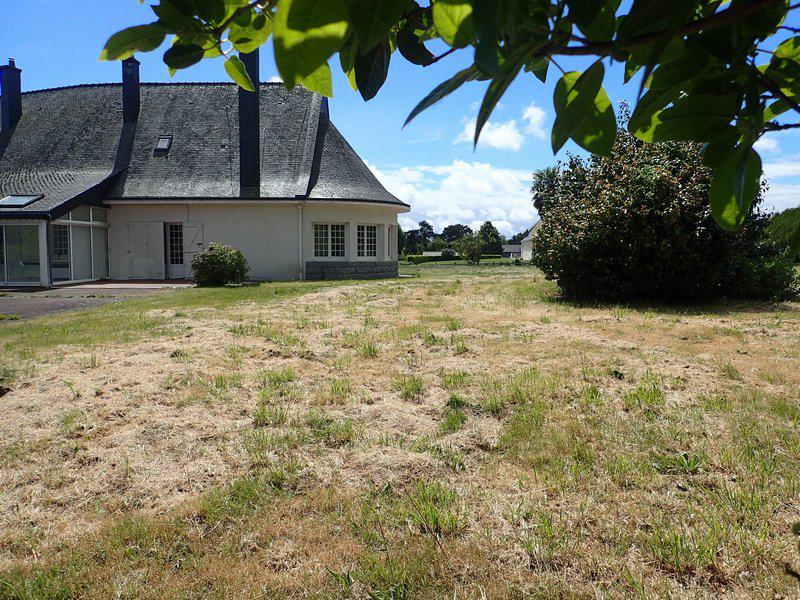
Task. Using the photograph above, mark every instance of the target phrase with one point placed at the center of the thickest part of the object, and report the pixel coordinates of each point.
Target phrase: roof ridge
(77, 86)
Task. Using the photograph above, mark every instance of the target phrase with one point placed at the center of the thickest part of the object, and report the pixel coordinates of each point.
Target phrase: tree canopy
(712, 72)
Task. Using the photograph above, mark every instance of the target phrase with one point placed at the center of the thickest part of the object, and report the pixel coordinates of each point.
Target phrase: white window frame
(328, 241)
(363, 249)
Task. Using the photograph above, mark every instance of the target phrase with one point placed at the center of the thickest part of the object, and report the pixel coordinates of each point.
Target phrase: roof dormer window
(164, 144)
(18, 201)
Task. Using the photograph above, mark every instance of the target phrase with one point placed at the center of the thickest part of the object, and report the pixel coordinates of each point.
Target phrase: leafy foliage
(470, 248)
(706, 73)
(219, 265)
(638, 225)
(784, 230)
(491, 238)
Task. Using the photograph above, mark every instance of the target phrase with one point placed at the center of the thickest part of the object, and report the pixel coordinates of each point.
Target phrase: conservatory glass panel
(81, 253)
(100, 250)
(22, 252)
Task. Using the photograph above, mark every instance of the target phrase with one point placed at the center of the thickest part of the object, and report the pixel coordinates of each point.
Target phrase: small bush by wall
(219, 265)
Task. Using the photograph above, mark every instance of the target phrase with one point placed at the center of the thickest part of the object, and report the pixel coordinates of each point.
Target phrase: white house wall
(267, 234)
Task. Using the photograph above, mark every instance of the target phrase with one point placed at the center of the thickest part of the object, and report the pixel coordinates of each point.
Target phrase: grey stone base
(319, 270)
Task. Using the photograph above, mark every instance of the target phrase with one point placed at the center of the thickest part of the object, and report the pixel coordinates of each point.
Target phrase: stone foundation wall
(323, 270)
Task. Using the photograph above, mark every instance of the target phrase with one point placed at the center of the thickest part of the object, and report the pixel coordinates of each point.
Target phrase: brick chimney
(130, 90)
(250, 132)
(11, 90)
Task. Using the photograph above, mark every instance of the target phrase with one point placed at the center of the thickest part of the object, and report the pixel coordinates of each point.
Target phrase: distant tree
(470, 248)
(544, 184)
(451, 233)
(437, 243)
(401, 241)
(426, 229)
(518, 237)
(784, 231)
(415, 242)
(491, 238)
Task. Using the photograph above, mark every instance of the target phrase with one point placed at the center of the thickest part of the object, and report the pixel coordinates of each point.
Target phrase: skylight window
(164, 143)
(18, 201)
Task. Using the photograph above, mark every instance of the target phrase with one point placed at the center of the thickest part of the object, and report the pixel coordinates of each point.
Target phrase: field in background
(458, 433)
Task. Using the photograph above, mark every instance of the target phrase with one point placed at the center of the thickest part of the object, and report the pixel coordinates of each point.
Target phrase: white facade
(276, 237)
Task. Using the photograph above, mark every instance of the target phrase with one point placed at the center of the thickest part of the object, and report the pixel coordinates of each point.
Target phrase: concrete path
(24, 303)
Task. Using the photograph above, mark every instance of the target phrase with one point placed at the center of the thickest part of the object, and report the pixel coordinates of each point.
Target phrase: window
(18, 201)
(367, 240)
(329, 240)
(164, 143)
(175, 233)
(60, 242)
(99, 214)
(22, 252)
(82, 213)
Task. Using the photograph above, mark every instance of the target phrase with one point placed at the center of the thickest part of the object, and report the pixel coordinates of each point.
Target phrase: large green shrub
(784, 229)
(219, 265)
(637, 225)
(470, 248)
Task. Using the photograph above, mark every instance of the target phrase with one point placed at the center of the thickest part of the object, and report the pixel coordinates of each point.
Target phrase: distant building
(527, 242)
(512, 250)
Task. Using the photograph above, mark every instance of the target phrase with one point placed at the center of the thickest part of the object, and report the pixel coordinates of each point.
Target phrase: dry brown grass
(463, 434)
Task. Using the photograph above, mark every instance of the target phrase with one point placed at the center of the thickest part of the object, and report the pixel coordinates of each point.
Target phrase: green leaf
(372, 20)
(700, 118)
(177, 17)
(716, 152)
(182, 56)
(371, 70)
(307, 33)
(142, 38)
(347, 59)
(453, 20)
(497, 87)
(789, 49)
(444, 89)
(596, 19)
(734, 188)
(412, 48)
(319, 81)
(539, 67)
(584, 112)
(250, 35)
(212, 11)
(238, 73)
(573, 97)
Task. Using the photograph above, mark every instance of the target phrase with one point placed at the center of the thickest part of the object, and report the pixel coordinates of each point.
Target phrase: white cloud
(462, 192)
(783, 168)
(275, 79)
(535, 117)
(500, 136)
(781, 196)
(767, 144)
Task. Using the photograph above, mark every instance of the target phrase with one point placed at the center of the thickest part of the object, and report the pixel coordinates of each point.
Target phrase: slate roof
(71, 146)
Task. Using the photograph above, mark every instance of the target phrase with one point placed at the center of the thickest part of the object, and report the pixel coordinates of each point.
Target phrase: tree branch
(775, 126)
(776, 89)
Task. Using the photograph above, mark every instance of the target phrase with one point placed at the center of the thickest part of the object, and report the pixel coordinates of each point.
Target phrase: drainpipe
(300, 241)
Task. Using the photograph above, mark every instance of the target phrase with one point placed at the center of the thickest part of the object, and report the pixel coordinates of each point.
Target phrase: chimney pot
(130, 90)
(11, 99)
(250, 132)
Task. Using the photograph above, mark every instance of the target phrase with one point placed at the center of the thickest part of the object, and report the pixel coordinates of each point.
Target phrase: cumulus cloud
(535, 117)
(767, 144)
(275, 79)
(500, 136)
(782, 168)
(462, 192)
(781, 196)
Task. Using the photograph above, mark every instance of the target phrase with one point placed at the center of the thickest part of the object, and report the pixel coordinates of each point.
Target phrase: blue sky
(430, 164)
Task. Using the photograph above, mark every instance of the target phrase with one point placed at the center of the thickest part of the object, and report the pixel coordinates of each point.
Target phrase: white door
(174, 242)
(192, 244)
(146, 250)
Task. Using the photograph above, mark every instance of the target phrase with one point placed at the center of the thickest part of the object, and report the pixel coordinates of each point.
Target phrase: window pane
(2, 254)
(320, 240)
(22, 249)
(372, 240)
(337, 240)
(99, 214)
(360, 239)
(80, 214)
(81, 253)
(59, 252)
(175, 243)
(100, 250)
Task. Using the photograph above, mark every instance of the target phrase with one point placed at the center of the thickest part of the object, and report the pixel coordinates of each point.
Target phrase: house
(511, 250)
(527, 242)
(130, 181)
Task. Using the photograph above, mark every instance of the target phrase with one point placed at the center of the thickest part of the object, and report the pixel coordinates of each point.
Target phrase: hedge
(418, 259)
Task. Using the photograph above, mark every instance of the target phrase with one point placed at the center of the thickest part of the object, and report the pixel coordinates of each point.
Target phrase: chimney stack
(130, 90)
(11, 90)
(250, 132)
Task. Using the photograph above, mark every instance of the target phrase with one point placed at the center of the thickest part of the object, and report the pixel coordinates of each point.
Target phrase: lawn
(460, 433)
